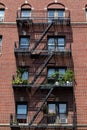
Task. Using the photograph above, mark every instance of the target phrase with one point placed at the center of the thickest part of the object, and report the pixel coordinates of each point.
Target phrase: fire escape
(42, 52)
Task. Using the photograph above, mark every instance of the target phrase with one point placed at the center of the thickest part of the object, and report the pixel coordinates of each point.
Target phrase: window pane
(24, 42)
(50, 15)
(25, 75)
(62, 108)
(61, 72)
(51, 108)
(51, 44)
(60, 13)
(21, 109)
(50, 72)
(61, 43)
(2, 13)
(25, 13)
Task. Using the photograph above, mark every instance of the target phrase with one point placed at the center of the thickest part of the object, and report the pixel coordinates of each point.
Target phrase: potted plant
(55, 76)
(69, 76)
(18, 79)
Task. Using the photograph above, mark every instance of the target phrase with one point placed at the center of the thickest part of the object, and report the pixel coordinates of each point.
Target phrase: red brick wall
(8, 60)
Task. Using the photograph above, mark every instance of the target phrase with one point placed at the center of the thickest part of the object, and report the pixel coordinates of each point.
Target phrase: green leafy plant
(15, 122)
(63, 78)
(69, 75)
(18, 79)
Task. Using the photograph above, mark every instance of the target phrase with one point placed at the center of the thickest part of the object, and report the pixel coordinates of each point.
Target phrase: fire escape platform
(55, 125)
(49, 86)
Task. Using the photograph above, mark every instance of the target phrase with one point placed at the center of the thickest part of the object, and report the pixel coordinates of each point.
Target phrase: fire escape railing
(41, 16)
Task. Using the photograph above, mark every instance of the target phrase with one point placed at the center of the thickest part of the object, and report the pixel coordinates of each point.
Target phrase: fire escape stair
(42, 36)
(35, 115)
(42, 68)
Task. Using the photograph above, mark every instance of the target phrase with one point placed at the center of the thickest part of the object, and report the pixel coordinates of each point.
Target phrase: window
(25, 13)
(2, 11)
(51, 108)
(24, 42)
(58, 111)
(62, 111)
(21, 112)
(0, 44)
(56, 43)
(55, 14)
(52, 70)
(25, 75)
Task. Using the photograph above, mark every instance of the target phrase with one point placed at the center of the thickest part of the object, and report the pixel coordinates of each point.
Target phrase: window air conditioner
(63, 120)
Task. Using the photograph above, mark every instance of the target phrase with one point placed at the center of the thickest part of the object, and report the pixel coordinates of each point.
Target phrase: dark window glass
(24, 42)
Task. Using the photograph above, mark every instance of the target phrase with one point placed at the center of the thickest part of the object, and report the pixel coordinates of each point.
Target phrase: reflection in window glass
(2, 13)
(56, 43)
(22, 109)
(61, 72)
(55, 14)
(25, 75)
(60, 13)
(51, 108)
(51, 44)
(25, 13)
(24, 42)
(62, 108)
(61, 43)
(50, 72)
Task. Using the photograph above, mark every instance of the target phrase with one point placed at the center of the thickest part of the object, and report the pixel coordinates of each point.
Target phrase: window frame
(57, 107)
(21, 103)
(55, 14)
(56, 69)
(2, 16)
(26, 46)
(55, 45)
(25, 9)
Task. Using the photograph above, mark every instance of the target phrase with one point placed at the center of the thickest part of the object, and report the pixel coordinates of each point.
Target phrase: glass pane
(21, 109)
(62, 108)
(60, 13)
(50, 15)
(1, 13)
(51, 108)
(25, 75)
(24, 42)
(25, 13)
(50, 72)
(51, 44)
(61, 72)
(61, 43)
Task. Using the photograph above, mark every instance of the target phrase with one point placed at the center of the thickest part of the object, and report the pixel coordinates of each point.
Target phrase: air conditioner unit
(1, 19)
(63, 120)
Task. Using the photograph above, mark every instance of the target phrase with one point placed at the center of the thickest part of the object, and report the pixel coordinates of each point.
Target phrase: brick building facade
(43, 64)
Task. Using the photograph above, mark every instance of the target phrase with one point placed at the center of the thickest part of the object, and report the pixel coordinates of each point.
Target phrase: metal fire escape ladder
(32, 120)
(42, 36)
(43, 66)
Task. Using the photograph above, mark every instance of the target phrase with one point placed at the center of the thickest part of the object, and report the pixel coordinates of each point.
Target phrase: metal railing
(41, 16)
(42, 119)
(43, 47)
